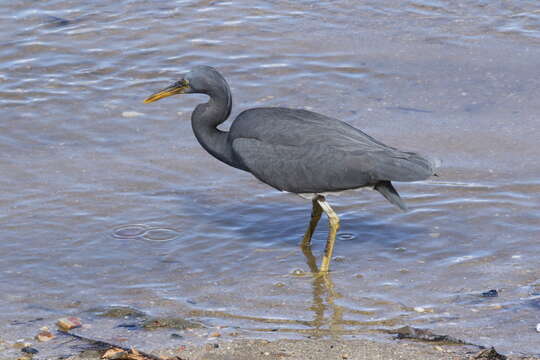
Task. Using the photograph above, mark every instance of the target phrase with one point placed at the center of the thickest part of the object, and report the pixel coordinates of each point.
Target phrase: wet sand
(315, 350)
(141, 337)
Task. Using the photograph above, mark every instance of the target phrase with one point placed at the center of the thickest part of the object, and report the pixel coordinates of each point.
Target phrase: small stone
(419, 309)
(215, 334)
(129, 114)
(339, 259)
(115, 353)
(29, 350)
(68, 323)
(496, 307)
(490, 293)
(176, 336)
(44, 336)
(266, 353)
(344, 356)
(538, 327)
(489, 354)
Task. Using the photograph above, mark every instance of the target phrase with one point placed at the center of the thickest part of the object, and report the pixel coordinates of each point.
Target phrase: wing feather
(319, 168)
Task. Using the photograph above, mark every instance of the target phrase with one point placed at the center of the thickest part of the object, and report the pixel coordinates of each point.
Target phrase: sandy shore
(319, 350)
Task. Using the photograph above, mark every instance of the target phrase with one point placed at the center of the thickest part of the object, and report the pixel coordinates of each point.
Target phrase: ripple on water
(144, 232)
(131, 231)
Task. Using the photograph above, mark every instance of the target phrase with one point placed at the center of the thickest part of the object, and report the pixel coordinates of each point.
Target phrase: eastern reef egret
(296, 151)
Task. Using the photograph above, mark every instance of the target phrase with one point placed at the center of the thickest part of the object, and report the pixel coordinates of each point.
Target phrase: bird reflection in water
(323, 287)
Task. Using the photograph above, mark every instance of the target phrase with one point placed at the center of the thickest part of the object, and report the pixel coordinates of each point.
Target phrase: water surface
(107, 201)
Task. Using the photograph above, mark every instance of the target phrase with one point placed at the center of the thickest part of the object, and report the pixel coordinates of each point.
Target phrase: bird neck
(204, 121)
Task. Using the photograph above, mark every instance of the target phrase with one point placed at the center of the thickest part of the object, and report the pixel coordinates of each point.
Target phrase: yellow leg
(315, 216)
(333, 226)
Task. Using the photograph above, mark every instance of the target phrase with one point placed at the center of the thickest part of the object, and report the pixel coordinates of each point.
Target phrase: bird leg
(315, 216)
(333, 226)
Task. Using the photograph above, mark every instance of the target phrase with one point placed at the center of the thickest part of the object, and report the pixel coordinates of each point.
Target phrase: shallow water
(107, 201)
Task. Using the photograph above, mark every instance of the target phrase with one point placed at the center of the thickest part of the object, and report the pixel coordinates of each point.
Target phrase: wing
(296, 127)
(320, 168)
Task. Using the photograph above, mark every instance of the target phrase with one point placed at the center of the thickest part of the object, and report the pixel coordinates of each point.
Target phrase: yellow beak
(176, 88)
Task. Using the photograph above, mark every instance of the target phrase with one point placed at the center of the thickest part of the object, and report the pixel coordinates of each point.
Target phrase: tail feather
(387, 190)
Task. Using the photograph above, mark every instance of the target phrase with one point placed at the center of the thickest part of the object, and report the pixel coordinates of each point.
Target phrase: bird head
(200, 80)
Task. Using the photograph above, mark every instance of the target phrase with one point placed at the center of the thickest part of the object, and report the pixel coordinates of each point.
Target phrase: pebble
(419, 309)
(44, 335)
(538, 327)
(129, 114)
(490, 293)
(215, 334)
(115, 353)
(69, 323)
(29, 350)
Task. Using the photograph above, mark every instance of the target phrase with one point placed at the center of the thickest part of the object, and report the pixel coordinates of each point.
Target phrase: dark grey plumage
(295, 150)
(298, 151)
(304, 152)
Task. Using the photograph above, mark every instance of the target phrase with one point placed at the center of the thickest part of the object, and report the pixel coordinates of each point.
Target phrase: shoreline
(321, 349)
(410, 343)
